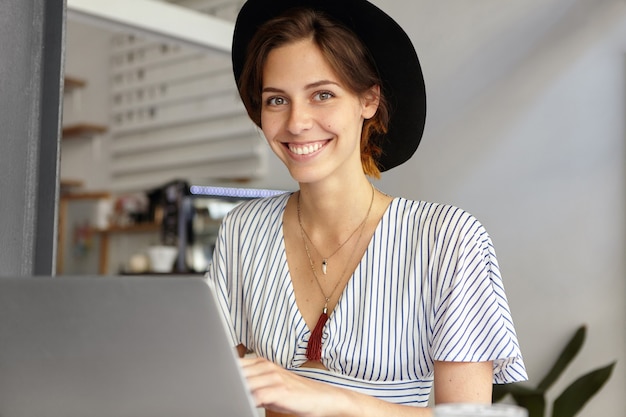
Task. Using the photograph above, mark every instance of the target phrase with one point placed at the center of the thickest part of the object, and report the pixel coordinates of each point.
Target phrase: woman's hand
(279, 390)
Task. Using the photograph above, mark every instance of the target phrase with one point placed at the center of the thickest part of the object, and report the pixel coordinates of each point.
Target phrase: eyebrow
(306, 87)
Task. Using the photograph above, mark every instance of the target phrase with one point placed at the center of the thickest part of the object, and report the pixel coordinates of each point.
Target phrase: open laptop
(126, 346)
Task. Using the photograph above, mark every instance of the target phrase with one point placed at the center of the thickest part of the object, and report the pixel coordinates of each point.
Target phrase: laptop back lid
(116, 347)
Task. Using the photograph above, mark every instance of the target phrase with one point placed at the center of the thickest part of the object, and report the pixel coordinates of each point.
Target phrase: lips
(305, 148)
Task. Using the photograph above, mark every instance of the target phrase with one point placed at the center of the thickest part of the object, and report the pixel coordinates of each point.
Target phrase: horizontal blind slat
(161, 94)
(180, 156)
(184, 134)
(195, 174)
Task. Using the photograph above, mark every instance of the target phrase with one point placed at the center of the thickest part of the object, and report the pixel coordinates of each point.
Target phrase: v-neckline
(292, 293)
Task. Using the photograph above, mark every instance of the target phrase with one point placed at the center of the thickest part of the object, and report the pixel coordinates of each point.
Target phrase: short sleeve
(472, 321)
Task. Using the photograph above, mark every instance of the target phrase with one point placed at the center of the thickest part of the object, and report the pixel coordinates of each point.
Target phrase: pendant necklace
(314, 346)
(325, 259)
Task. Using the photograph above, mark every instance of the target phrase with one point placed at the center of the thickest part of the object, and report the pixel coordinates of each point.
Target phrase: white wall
(525, 129)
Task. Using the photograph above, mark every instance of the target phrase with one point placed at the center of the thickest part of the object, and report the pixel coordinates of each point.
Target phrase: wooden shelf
(65, 199)
(83, 130)
(67, 182)
(87, 195)
(103, 233)
(104, 240)
(70, 185)
(133, 228)
(72, 83)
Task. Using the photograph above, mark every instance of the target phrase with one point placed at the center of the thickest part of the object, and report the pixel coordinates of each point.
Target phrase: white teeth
(306, 149)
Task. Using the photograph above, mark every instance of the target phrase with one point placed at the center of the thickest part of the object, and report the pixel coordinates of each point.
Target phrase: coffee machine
(198, 217)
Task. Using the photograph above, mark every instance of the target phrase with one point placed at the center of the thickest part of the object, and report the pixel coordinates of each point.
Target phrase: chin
(304, 176)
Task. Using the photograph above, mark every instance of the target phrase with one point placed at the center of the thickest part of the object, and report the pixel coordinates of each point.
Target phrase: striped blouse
(427, 288)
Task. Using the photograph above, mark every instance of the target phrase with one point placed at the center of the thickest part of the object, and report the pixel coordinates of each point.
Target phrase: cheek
(268, 126)
(332, 120)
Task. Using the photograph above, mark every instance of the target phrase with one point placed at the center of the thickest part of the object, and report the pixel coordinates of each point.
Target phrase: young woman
(356, 303)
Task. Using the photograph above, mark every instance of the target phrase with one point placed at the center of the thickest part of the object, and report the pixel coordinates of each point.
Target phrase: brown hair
(345, 53)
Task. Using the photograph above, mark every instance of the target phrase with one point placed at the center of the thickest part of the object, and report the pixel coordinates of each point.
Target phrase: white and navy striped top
(427, 288)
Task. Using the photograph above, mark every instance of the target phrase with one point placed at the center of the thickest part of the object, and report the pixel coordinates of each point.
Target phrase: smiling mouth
(305, 149)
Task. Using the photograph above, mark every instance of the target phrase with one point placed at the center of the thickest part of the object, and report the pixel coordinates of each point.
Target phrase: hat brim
(388, 44)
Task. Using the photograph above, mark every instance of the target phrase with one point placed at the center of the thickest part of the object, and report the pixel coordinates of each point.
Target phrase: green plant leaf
(533, 401)
(499, 392)
(524, 396)
(567, 355)
(574, 398)
(502, 390)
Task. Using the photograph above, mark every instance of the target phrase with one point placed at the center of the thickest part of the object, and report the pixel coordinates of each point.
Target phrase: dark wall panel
(31, 61)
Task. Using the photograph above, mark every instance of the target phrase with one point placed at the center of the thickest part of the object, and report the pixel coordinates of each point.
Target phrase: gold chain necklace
(325, 259)
(314, 346)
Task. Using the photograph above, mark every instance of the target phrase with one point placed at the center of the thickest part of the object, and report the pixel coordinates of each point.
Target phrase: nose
(299, 120)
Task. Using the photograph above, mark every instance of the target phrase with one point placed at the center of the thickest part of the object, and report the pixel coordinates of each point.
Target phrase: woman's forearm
(281, 391)
(352, 404)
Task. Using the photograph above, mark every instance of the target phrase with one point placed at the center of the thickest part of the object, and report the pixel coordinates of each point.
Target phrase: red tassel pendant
(314, 348)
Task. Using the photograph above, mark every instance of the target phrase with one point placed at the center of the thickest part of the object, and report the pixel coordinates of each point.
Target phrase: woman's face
(310, 120)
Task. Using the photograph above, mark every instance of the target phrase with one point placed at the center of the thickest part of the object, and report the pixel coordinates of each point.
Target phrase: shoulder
(424, 211)
(434, 220)
(257, 210)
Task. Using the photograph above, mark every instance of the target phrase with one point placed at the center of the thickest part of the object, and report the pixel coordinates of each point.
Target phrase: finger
(265, 381)
(256, 367)
(245, 362)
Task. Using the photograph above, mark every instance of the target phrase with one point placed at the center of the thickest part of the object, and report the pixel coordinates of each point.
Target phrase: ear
(370, 101)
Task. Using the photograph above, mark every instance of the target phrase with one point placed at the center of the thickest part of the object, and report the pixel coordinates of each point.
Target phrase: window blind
(176, 114)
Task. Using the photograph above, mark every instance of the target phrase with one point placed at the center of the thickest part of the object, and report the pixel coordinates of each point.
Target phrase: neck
(334, 208)
(331, 218)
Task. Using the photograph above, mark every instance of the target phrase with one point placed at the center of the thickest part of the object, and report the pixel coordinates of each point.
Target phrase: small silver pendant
(324, 264)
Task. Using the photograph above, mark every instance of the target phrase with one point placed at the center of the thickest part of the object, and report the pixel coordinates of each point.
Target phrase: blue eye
(324, 95)
(276, 101)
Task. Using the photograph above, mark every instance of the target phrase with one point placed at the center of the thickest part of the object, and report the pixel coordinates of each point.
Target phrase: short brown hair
(345, 53)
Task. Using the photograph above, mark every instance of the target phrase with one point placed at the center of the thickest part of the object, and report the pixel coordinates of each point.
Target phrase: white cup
(162, 258)
(479, 410)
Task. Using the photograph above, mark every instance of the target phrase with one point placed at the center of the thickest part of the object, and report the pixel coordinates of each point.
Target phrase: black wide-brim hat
(389, 45)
